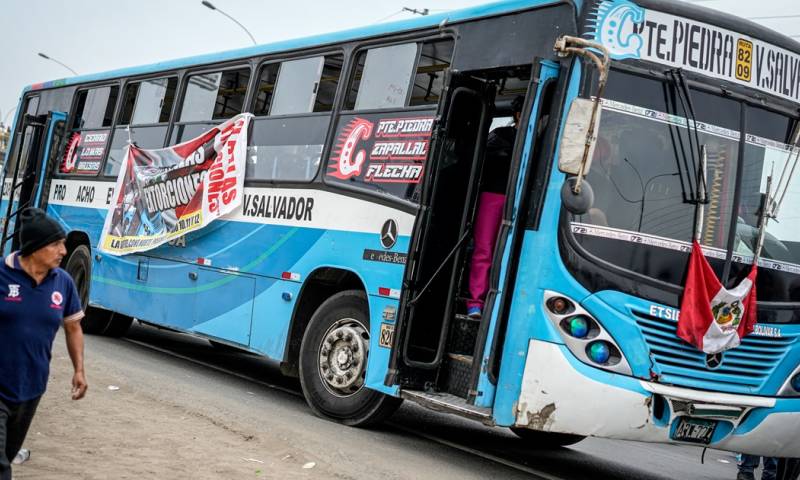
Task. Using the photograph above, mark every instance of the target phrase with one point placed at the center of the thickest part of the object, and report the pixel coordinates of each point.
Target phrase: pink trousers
(487, 225)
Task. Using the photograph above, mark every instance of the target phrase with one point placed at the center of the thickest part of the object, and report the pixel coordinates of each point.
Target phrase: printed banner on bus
(633, 32)
(166, 193)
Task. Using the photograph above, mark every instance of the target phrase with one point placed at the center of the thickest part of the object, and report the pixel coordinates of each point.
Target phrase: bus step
(448, 403)
(458, 373)
(464, 334)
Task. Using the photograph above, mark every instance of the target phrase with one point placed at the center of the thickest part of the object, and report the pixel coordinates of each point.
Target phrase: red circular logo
(57, 298)
(71, 155)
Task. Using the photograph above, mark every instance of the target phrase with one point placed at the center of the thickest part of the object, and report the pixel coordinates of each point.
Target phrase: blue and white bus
(349, 258)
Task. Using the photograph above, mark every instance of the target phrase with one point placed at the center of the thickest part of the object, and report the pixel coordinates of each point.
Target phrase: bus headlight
(796, 383)
(599, 352)
(584, 335)
(578, 326)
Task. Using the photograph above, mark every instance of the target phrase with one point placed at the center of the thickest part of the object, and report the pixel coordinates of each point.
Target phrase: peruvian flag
(712, 318)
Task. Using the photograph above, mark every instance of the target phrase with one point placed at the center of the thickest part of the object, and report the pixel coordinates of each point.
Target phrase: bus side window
(146, 108)
(291, 103)
(90, 130)
(383, 75)
(434, 60)
(209, 99)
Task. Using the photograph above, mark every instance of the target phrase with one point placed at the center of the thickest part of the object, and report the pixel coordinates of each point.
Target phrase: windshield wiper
(698, 191)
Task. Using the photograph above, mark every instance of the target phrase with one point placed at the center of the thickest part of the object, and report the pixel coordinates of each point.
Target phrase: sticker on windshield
(676, 120)
(670, 244)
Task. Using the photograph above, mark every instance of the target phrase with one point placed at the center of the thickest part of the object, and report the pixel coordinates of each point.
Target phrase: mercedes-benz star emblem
(389, 234)
(714, 360)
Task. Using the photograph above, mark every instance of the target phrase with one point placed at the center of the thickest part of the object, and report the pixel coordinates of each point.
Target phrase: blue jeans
(750, 463)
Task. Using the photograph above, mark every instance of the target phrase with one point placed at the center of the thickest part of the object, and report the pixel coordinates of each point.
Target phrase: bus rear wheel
(333, 362)
(97, 321)
(79, 267)
(539, 439)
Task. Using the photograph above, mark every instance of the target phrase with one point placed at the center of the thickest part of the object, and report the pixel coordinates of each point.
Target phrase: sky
(98, 35)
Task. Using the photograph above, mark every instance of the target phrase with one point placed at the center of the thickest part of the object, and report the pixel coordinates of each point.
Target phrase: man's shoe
(474, 312)
(22, 456)
(745, 476)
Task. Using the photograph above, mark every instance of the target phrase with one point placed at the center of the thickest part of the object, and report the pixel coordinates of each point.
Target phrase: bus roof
(416, 23)
(500, 7)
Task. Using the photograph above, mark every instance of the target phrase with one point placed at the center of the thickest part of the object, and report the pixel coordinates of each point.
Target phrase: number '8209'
(744, 60)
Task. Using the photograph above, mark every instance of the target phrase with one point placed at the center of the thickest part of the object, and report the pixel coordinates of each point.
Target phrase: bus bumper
(561, 394)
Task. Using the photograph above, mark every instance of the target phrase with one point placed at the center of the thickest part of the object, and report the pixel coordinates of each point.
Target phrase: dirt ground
(128, 433)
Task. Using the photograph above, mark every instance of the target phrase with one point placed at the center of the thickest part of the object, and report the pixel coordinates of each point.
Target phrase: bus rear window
(215, 96)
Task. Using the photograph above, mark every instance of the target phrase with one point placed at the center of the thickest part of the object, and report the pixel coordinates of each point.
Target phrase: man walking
(36, 296)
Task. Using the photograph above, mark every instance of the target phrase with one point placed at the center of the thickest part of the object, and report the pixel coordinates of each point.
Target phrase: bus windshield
(643, 173)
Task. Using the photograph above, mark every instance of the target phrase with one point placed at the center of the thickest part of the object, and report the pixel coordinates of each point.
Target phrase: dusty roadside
(130, 433)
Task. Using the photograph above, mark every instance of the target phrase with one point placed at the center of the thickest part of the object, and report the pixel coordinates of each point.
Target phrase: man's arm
(74, 334)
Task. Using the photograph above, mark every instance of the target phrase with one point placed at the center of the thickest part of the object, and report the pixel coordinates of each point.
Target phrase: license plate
(694, 430)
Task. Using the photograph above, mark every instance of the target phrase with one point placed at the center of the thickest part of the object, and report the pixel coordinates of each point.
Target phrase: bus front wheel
(539, 439)
(333, 362)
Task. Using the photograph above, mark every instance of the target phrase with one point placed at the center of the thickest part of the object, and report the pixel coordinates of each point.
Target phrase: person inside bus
(494, 180)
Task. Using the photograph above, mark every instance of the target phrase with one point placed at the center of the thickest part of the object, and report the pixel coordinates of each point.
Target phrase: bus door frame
(33, 158)
(498, 299)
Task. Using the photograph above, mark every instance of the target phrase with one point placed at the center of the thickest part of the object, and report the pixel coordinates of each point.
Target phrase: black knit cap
(37, 230)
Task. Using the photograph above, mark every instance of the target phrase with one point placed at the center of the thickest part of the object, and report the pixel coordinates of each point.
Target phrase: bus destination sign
(632, 32)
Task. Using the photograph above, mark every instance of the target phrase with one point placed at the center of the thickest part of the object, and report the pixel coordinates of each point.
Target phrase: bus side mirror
(579, 138)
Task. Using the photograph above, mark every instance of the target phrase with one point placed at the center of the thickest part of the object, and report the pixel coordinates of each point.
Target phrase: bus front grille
(744, 369)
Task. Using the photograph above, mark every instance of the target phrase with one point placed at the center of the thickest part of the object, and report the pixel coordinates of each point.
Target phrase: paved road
(255, 394)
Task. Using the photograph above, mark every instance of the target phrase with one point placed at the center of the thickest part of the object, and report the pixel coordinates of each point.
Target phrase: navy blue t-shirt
(30, 315)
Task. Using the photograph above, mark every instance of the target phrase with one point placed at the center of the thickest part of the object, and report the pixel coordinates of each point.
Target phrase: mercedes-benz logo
(714, 360)
(389, 234)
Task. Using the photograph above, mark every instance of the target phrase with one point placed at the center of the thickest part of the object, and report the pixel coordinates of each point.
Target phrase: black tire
(349, 404)
(118, 325)
(79, 267)
(97, 321)
(539, 439)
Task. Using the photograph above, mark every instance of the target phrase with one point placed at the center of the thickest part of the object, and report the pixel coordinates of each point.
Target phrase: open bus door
(35, 152)
(441, 357)
(421, 352)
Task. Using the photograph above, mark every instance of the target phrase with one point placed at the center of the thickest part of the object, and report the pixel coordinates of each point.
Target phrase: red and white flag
(712, 318)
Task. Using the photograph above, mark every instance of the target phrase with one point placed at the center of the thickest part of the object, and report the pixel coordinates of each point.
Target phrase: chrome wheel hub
(342, 357)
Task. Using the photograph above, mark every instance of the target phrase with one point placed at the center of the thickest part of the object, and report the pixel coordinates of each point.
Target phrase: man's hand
(74, 335)
(79, 385)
